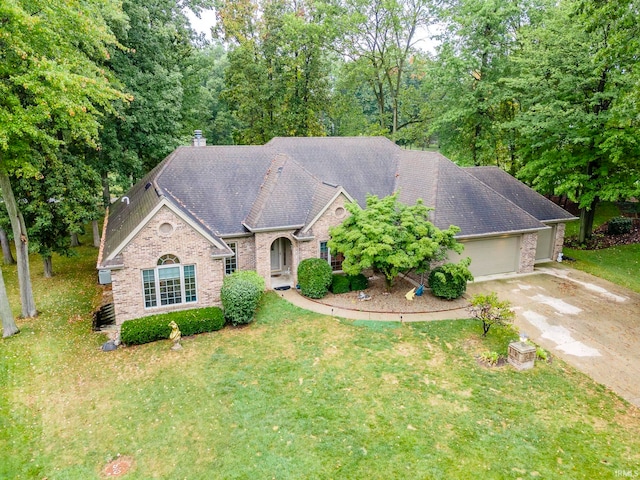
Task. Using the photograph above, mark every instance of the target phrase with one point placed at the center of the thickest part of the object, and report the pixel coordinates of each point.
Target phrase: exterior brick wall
(559, 240)
(143, 253)
(245, 252)
(527, 252)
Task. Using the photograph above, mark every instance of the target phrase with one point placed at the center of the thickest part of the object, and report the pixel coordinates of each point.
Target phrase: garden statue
(175, 336)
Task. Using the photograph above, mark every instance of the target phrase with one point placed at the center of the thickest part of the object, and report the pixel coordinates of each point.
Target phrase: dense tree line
(94, 94)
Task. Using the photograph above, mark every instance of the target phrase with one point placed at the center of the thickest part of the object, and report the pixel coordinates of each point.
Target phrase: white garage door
(544, 246)
(491, 256)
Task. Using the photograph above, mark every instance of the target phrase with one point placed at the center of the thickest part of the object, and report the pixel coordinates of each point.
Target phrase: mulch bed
(601, 239)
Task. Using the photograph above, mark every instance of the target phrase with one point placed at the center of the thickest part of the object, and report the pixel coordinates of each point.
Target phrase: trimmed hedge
(314, 277)
(619, 225)
(240, 295)
(449, 281)
(156, 327)
(340, 284)
(358, 282)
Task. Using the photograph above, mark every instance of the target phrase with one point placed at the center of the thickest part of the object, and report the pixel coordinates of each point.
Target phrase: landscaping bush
(619, 225)
(156, 327)
(358, 282)
(340, 284)
(240, 295)
(449, 281)
(314, 277)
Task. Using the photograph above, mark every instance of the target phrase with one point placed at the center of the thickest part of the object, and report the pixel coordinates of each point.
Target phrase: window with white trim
(169, 283)
(334, 260)
(231, 263)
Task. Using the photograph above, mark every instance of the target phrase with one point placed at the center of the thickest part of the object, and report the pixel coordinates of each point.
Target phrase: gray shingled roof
(361, 165)
(458, 197)
(289, 196)
(287, 182)
(520, 194)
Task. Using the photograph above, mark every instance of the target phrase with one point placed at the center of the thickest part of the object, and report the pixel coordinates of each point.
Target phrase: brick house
(205, 212)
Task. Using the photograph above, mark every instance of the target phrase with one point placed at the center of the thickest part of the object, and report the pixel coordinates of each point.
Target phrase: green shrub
(358, 282)
(314, 277)
(156, 327)
(619, 225)
(240, 295)
(340, 284)
(449, 281)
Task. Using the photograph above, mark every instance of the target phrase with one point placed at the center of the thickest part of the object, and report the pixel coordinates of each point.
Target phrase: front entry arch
(281, 252)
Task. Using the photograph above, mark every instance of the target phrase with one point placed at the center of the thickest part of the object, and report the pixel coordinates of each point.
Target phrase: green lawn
(619, 265)
(294, 395)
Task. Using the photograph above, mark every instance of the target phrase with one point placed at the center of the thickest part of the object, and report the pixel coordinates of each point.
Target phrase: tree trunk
(9, 326)
(96, 233)
(106, 193)
(74, 240)
(587, 215)
(6, 248)
(48, 266)
(22, 247)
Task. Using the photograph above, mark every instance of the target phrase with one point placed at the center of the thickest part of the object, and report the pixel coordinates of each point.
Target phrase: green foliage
(240, 295)
(340, 284)
(449, 281)
(491, 311)
(490, 358)
(156, 327)
(358, 282)
(314, 277)
(391, 238)
(277, 76)
(619, 226)
(542, 354)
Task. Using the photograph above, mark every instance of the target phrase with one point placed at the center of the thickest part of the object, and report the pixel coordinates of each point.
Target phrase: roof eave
(499, 234)
(272, 229)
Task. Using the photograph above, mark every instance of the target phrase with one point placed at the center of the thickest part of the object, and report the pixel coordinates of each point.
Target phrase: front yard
(294, 395)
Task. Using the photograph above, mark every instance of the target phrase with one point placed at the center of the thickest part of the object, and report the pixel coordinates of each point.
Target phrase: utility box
(104, 277)
(521, 355)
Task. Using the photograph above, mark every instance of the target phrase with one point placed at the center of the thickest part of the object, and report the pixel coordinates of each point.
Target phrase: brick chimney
(198, 139)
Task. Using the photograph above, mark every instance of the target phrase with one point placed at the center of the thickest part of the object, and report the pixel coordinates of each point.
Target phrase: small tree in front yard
(491, 311)
(391, 238)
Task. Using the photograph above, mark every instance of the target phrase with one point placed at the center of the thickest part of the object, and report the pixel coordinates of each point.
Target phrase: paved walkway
(590, 323)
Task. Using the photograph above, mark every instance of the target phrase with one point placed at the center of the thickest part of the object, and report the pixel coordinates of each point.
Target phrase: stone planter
(521, 355)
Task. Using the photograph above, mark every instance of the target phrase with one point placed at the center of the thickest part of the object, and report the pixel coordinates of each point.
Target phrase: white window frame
(228, 267)
(157, 294)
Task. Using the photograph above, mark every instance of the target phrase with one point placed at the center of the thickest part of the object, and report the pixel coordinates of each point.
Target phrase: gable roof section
(520, 194)
(361, 165)
(130, 213)
(458, 197)
(217, 184)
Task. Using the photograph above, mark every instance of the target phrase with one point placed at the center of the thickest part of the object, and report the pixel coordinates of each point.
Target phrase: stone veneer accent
(527, 252)
(559, 240)
(144, 251)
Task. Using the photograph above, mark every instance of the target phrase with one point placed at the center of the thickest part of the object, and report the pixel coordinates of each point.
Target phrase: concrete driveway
(590, 323)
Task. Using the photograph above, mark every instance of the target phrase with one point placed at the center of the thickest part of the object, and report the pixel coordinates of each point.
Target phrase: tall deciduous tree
(391, 238)
(378, 37)
(52, 86)
(472, 106)
(577, 83)
(277, 79)
(61, 199)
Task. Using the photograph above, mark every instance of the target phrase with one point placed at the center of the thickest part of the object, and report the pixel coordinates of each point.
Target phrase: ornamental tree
(391, 238)
(491, 311)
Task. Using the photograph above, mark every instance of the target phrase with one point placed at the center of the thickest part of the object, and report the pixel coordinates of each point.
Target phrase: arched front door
(281, 262)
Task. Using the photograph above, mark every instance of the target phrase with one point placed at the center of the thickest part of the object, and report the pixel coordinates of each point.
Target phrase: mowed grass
(620, 265)
(293, 395)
